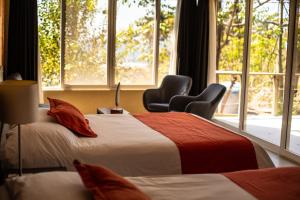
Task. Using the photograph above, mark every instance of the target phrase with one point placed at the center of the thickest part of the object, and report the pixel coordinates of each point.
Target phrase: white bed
(124, 144)
(68, 185)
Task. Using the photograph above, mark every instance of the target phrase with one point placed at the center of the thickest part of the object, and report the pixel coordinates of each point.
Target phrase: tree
(49, 41)
(85, 43)
(267, 51)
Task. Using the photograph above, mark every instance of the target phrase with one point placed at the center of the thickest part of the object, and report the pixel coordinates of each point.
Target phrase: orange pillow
(56, 102)
(105, 184)
(70, 117)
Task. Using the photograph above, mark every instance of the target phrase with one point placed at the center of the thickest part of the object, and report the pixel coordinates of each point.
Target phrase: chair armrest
(151, 96)
(179, 102)
(200, 108)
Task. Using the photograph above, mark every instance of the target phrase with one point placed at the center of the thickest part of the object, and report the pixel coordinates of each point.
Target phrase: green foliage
(266, 55)
(138, 38)
(85, 42)
(49, 41)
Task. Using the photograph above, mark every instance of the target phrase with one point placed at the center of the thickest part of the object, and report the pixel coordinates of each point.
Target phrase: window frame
(283, 148)
(111, 47)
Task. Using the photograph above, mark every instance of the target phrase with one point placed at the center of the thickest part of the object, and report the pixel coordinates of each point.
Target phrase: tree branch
(261, 3)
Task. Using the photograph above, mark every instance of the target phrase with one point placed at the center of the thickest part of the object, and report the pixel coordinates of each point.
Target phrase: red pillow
(105, 184)
(70, 117)
(56, 102)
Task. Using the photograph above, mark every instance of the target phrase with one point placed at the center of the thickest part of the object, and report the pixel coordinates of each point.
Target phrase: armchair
(157, 100)
(203, 105)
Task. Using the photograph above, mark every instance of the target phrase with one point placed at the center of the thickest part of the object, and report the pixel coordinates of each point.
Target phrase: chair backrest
(213, 93)
(14, 76)
(174, 85)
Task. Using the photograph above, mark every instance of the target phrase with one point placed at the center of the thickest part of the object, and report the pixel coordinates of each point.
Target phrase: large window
(90, 43)
(267, 69)
(258, 62)
(294, 131)
(49, 13)
(134, 43)
(230, 46)
(166, 39)
(85, 41)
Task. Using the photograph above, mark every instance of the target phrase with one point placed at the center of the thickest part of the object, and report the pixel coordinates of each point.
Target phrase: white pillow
(43, 116)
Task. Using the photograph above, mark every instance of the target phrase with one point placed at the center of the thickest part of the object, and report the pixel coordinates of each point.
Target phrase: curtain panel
(193, 40)
(22, 54)
(3, 34)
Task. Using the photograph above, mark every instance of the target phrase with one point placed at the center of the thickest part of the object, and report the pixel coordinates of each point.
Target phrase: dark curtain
(192, 49)
(22, 56)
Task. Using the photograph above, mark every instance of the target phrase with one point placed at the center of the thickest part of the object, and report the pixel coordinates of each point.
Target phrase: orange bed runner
(203, 146)
(269, 184)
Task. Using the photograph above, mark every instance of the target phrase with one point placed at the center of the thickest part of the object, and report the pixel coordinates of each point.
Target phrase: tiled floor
(280, 161)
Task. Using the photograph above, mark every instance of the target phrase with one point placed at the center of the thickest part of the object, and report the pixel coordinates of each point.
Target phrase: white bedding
(68, 186)
(124, 144)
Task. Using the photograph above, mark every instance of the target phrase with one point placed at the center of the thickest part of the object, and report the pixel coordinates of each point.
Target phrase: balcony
(264, 106)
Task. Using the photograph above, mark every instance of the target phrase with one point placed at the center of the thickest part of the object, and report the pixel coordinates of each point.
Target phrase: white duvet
(124, 144)
(68, 186)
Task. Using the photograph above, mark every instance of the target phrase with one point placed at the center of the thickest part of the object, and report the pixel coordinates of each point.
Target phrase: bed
(124, 143)
(264, 184)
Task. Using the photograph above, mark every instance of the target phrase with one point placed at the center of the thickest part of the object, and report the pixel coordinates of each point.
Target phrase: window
(134, 43)
(166, 39)
(258, 61)
(85, 42)
(267, 69)
(230, 46)
(294, 131)
(49, 13)
(97, 43)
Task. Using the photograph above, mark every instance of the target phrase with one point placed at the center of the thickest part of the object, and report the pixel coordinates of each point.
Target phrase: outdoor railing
(277, 84)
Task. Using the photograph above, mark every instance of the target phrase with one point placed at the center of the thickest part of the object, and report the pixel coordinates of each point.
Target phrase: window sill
(123, 88)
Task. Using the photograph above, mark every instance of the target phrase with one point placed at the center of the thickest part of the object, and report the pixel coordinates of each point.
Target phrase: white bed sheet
(67, 186)
(124, 144)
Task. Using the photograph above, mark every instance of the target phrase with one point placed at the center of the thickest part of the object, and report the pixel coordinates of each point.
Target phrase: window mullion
(290, 72)
(112, 7)
(62, 43)
(156, 41)
(246, 61)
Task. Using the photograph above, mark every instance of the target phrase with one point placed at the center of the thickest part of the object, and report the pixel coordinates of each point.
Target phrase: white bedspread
(124, 144)
(68, 186)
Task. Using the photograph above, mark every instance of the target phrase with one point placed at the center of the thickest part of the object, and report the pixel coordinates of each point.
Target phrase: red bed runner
(269, 184)
(203, 146)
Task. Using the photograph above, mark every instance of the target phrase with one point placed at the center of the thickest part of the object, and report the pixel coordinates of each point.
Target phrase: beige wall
(88, 101)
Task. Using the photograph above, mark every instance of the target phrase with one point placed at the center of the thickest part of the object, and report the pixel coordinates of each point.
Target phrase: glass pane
(230, 41)
(166, 40)
(229, 107)
(267, 68)
(294, 143)
(86, 42)
(49, 14)
(134, 42)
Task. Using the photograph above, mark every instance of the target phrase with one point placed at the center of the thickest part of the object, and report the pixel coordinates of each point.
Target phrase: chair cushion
(158, 107)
